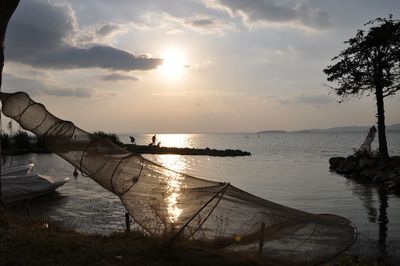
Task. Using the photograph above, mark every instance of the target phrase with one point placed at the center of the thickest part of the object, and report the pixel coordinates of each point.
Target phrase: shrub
(112, 136)
(21, 140)
(5, 142)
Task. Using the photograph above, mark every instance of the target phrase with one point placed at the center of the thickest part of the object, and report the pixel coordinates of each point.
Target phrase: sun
(174, 64)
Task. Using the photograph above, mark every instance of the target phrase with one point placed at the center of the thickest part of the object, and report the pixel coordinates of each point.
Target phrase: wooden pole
(261, 244)
(7, 8)
(127, 223)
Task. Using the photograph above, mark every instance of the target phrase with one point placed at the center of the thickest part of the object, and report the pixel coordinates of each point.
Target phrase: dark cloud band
(41, 34)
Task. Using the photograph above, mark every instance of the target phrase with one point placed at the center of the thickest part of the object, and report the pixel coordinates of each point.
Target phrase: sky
(189, 66)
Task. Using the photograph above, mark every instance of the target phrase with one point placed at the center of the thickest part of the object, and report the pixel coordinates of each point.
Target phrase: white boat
(20, 169)
(27, 186)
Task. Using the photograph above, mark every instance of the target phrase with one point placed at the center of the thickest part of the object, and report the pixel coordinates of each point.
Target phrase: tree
(370, 65)
(7, 8)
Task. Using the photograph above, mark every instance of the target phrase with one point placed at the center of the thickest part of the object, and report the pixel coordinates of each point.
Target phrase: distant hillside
(272, 131)
(349, 129)
(353, 129)
(395, 127)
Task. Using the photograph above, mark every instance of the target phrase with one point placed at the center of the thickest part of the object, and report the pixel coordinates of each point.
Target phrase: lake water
(291, 169)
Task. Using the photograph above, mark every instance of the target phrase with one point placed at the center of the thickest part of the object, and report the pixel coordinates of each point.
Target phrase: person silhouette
(154, 139)
(133, 141)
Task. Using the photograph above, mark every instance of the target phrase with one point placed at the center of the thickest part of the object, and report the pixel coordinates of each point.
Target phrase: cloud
(174, 31)
(36, 87)
(80, 92)
(308, 99)
(116, 77)
(96, 56)
(198, 65)
(267, 12)
(204, 24)
(197, 23)
(108, 29)
(102, 33)
(44, 34)
(315, 99)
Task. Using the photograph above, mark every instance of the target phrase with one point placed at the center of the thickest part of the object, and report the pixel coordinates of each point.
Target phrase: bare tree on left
(7, 8)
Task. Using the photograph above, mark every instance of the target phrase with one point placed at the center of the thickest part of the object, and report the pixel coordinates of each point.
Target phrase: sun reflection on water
(173, 184)
(174, 140)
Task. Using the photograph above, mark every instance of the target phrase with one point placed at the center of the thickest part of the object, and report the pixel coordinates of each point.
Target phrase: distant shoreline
(271, 131)
(335, 130)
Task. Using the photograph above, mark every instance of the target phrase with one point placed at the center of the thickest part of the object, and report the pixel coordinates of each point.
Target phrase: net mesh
(176, 207)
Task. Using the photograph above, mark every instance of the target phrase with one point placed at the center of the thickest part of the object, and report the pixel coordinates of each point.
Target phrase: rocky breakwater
(152, 149)
(369, 169)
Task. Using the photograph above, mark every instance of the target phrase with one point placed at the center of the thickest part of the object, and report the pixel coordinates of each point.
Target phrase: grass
(347, 260)
(27, 240)
(35, 241)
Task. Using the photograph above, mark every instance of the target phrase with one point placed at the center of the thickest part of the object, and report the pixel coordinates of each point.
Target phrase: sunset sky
(188, 66)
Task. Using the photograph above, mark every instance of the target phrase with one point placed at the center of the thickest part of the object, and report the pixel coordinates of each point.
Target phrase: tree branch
(392, 92)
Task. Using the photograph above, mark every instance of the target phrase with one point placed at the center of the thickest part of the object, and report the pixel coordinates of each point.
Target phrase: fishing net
(179, 208)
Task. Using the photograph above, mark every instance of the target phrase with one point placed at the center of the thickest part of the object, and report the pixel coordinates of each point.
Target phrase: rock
(396, 179)
(367, 169)
(377, 179)
(369, 173)
(383, 176)
(390, 185)
(392, 163)
(367, 162)
(391, 175)
(380, 177)
(348, 165)
(334, 162)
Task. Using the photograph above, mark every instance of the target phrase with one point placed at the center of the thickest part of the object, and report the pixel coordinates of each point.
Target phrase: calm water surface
(289, 169)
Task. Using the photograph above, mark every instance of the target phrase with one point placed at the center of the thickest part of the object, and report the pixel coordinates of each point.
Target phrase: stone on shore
(348, 165)
(385, 172)
(334, 162)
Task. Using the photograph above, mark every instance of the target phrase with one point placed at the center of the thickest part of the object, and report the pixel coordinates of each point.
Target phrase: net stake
(261, 244)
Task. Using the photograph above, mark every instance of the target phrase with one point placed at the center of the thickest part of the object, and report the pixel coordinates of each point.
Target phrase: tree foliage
(372, 60)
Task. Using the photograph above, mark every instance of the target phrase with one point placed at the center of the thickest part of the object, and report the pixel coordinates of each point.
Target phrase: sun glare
(174, 64)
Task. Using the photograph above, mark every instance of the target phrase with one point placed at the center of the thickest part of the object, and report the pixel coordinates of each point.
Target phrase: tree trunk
(383, 150)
